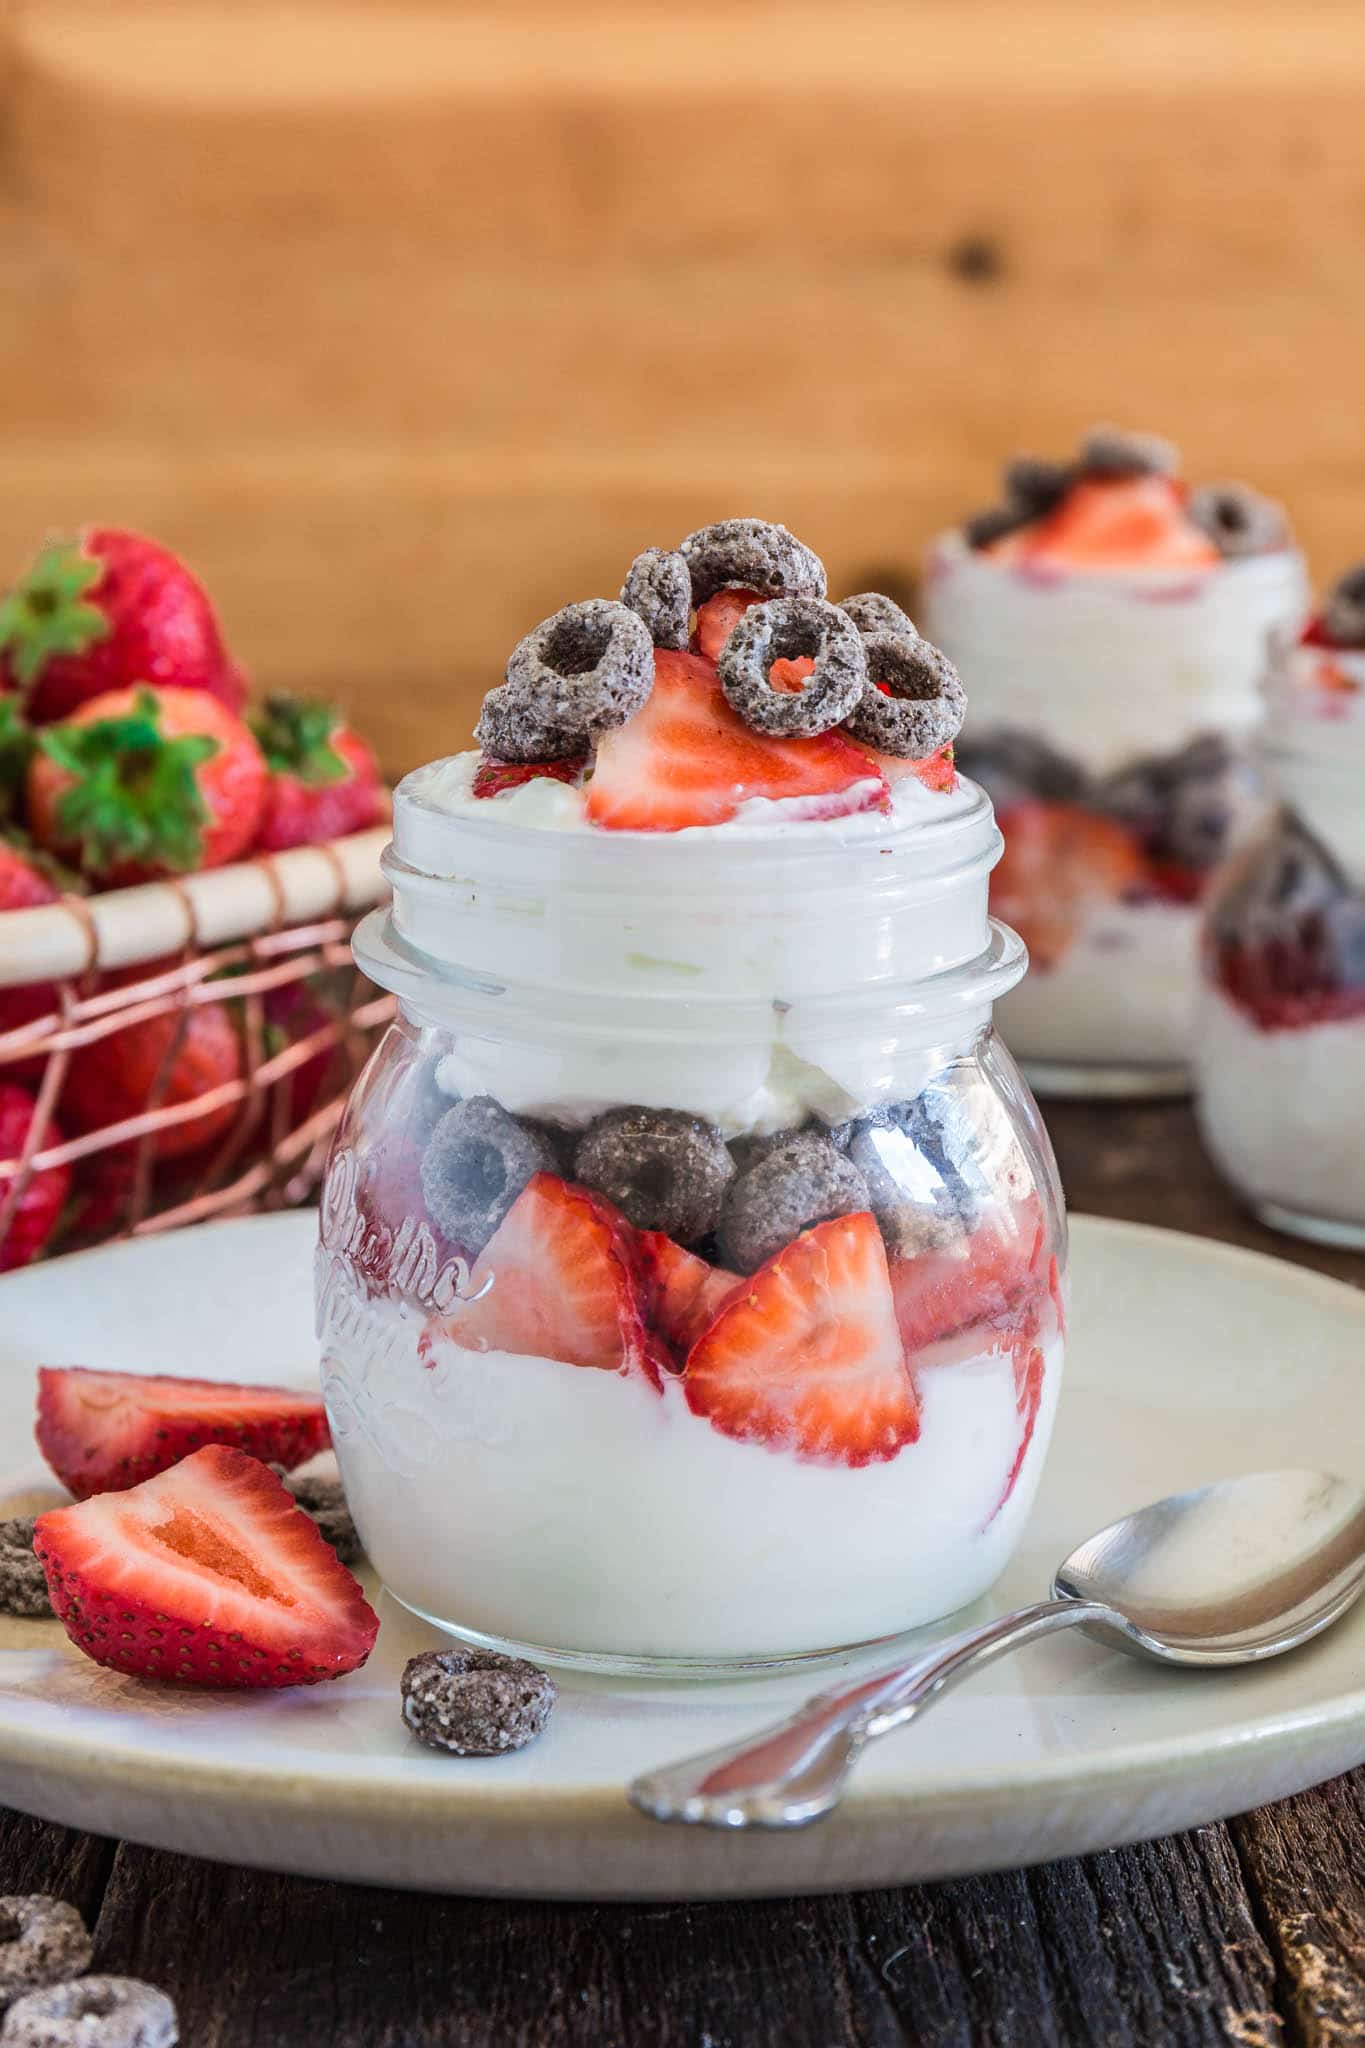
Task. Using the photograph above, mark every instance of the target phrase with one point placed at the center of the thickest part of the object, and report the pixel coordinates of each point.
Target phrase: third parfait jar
(1280, 1063)
(691, 1283)
(1112, 621)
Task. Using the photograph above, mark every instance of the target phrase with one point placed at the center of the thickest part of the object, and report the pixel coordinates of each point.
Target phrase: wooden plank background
(409, 322)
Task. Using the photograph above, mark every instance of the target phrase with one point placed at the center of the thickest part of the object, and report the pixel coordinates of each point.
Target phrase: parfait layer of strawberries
(1113, 619)
(1280, 1060)
(691, 1277)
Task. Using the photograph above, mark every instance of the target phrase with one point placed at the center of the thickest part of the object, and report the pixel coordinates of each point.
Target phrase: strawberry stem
(46, 612)
(295, 736)
(16, 751)
(134, 794)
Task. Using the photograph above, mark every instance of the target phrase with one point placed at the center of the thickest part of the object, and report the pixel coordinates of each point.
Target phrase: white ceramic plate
(1190, 1361)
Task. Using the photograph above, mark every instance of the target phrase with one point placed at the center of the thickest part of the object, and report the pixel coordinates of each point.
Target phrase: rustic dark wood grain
(1249, 1935)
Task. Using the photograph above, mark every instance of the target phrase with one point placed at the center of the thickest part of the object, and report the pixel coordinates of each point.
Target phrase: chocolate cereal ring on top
(42, 1941)
(1343, 613)
(585, 669)
(785, 629)
(873, 613)
(751, 554)
(1238, 520)
(659, 588)
(1112, 452)
(800, 1183)
(927, 702)
(664, 1170)
(477, 1161)
(93, 2012)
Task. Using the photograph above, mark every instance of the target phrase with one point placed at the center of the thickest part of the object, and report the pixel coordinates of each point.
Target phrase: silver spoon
(1227, 1574)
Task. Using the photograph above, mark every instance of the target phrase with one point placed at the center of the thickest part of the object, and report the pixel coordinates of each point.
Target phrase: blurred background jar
(1280, 1040)
(1112, 623)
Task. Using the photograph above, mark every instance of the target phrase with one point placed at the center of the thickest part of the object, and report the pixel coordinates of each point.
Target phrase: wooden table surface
(1249, 1933)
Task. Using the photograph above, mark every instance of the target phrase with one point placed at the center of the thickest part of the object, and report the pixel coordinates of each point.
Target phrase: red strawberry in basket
(141, 783)
(324, 781)
(208, 1574)
(27, 881)
(686, 758)
(104, 1431)
(806, 1357)
(562, 1282)
(33, 1221)
(164, 1061)
(106, 611)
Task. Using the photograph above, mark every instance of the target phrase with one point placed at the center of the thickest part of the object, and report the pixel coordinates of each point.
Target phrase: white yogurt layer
(558, 1506)
(1111, 665)
(550, 806)
(1281, 1110)
(1122, 995)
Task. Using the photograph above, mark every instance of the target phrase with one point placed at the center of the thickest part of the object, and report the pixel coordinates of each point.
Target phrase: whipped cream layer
(1280, 1111)
(1110, 664)
(753, 975)
(1122, 995)
(555, 1505)
(1312, 750)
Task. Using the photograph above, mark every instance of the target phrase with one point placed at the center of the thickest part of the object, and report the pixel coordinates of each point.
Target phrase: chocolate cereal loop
(475, 1702)
(785, 630)
(658, 588)
(663, 1169)
(23, 1582)
(873, 613)
(751, 554)
(927, 702)
(42, 1941)
(585, 669)
(93, 2012)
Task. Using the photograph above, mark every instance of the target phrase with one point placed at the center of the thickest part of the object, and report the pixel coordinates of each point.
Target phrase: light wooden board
(409, 323)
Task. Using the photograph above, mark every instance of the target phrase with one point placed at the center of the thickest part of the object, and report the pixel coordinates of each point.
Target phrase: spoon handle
(794, 1771)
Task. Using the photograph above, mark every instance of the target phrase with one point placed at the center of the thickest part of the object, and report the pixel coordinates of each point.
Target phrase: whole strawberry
(173, 1058)
(324, 781)
(27, 880)
(35, 1218)
(103, 611)
(147, 782)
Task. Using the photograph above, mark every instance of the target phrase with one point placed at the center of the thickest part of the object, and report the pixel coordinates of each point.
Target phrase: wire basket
(267, 939)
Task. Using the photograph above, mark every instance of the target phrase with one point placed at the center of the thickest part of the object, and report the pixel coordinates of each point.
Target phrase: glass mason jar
(1109, 715)
(1280, 1048)
(692, 1262)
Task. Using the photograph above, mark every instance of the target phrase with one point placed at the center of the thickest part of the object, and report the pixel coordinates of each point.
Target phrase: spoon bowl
(1230, 1573)
(1226, 1574)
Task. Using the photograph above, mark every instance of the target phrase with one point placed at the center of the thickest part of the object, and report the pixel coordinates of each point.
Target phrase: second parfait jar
(1280, 1058)
(692, 1265)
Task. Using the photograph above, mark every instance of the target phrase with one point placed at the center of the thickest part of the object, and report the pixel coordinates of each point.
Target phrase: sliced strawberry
(1113, 523)
(103, 1431)
(987, 1280)
(206, 1575)
(685, 758)
(718, 617)
(684, 1294)
(1173, 882)
(491, 777)
(561, 1281)
(1060, 860)
(806, 1358)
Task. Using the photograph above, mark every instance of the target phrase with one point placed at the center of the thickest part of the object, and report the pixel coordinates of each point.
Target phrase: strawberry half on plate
(806, 1358)
(208, 1574)
(103, 1431)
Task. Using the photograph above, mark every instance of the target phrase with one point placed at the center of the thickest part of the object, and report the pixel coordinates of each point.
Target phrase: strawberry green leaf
(16, 751)
(134, 794)
(47, 614)
(295, 736)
